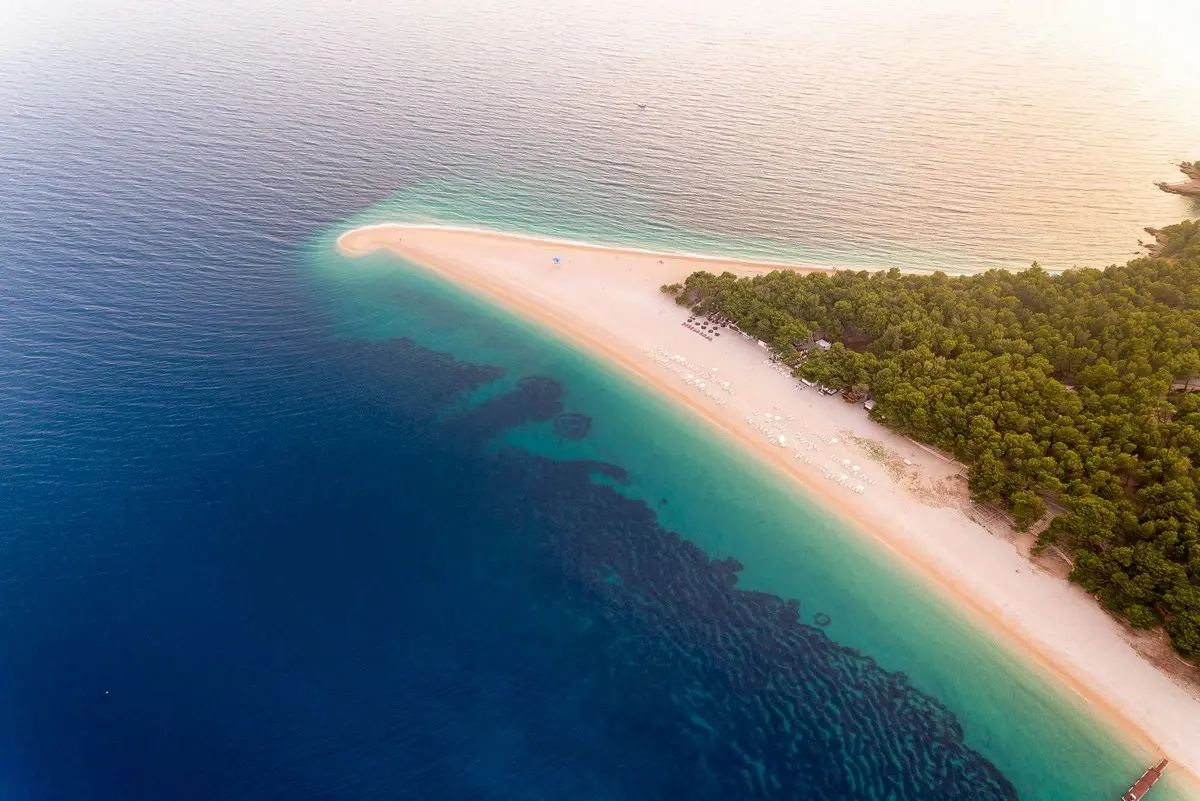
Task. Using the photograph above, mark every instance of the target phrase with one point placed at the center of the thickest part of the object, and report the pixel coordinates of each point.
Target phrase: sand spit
(607, 300)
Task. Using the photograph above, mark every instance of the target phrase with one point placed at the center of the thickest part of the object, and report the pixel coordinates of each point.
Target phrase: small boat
(1142, 786)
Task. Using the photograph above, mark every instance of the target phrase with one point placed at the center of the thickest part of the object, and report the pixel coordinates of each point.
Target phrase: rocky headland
(1188, 188)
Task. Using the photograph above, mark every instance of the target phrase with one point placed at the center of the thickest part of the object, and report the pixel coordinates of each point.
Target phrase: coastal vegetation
(1180, 241)
(1068, 392)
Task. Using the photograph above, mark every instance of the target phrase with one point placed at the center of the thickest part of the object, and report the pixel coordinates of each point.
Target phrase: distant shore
(607, 300)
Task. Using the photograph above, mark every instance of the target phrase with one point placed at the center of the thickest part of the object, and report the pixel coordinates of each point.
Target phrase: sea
(277, 524)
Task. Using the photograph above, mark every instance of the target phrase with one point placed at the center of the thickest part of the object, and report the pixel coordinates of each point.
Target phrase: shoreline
(1152, 719)
(766, 265)
(1188, 188)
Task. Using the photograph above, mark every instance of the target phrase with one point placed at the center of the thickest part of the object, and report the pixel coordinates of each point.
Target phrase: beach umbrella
(856, 468)
(557, 260)
(845, 461)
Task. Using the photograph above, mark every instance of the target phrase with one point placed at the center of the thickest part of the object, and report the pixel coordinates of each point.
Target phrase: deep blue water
(326, 592)
(245, 556)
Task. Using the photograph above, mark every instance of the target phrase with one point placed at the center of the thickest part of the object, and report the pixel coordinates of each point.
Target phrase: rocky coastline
(1188, 188)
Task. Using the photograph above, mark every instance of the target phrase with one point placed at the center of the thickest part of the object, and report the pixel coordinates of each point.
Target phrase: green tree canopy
(1073, 387)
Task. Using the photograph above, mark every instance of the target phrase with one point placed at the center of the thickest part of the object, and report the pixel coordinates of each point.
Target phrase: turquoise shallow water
(557, 206)
(1041, 738)
(577, 208)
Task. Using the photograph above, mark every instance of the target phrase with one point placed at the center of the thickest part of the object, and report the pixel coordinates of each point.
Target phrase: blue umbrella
(557, 260)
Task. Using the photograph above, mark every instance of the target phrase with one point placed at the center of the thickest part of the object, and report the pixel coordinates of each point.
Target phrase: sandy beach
(607, 300)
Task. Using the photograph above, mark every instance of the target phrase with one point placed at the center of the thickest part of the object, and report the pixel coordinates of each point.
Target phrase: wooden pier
(1142, 786)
